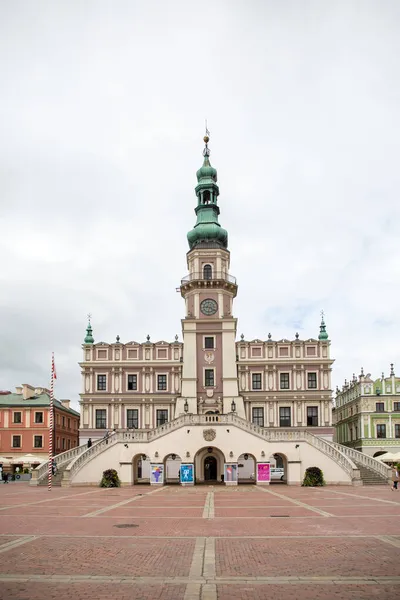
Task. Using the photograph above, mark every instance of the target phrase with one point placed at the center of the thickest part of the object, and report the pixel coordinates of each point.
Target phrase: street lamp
(186, 406)
(233, 406)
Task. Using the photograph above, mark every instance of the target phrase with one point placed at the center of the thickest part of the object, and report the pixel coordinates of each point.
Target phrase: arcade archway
(279, 468)
(172, 466)
(209, 465)
(247, 465)
(140, 469)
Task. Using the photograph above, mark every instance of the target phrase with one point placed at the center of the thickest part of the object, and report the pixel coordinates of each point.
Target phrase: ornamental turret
(207, 228)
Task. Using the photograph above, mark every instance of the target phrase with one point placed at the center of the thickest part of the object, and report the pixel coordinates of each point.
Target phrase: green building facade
(366, 415)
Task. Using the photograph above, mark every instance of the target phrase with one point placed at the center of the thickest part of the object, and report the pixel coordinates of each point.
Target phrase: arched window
(206, 197)
(207, 272)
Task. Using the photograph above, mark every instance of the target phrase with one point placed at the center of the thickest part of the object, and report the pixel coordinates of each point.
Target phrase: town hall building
(209, 408)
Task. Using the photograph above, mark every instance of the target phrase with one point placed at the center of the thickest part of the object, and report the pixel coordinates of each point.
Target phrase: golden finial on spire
(206, 139)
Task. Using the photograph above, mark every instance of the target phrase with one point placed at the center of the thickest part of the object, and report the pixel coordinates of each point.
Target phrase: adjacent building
(367, 413)
(25, 422)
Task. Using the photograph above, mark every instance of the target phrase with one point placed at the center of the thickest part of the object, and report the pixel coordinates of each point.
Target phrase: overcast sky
(101, 124)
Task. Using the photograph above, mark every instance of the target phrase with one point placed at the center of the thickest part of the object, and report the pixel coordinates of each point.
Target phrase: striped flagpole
(53, 375)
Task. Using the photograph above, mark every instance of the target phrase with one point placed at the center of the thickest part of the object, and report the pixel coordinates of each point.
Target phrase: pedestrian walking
(89, 443)
(5, 477)
(54, 467)
(395, 477)
(106, 435)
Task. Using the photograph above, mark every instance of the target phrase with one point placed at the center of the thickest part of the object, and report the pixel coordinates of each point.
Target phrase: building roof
(35, 401)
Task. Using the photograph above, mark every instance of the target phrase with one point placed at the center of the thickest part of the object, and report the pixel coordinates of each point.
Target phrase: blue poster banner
(187, 473)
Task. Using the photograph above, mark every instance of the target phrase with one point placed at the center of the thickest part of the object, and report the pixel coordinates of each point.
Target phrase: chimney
(27, 391)
(65, 403)
(18, 390)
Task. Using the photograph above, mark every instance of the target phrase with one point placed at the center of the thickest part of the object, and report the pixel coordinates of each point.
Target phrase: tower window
(312, 381)
(381, 431)
(258, 416)
(132, 418)
(132, 382)
(162, 382)
(209, 377)
(312, 416)
(284, 381)
(206, 197)
(209, 343)
(102, 382)
(256, 381)
(162, 417)
(207, 272)
(284, 416)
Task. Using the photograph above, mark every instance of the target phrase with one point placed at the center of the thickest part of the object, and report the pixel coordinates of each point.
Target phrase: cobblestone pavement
(201, 543)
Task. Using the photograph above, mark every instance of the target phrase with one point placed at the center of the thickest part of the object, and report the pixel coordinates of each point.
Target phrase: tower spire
(323, 335)
(89, 339)
(207, 228)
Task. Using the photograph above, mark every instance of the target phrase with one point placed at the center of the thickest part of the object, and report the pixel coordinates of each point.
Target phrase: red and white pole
(50, 470)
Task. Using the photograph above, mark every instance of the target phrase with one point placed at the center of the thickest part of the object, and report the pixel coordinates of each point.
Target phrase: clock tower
(209, 378)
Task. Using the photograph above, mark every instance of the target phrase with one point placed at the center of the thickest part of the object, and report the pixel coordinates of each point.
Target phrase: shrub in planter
(313, 477)
(26, 471)
(110, 479)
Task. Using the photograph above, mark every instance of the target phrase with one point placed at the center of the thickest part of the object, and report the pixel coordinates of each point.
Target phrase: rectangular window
(132, 418)
(132, 383)
(38, 418)
(63, 443)
(209, 343)
(284, 351)
(17, 417)
(397, 430)
(284, 416)
(312, 381)
(161, 383)
(209, 377)
(38, 441)
(101, 421)
(380, 407)
(16, 441)
(312, 416)
(258, 416)
(284, 381)
(381, 431)
(63, 421)
(162, 417)
(101, 382)
(256, 381)
(356, 430)
(69, 423)
(396, 406)
(68, 444)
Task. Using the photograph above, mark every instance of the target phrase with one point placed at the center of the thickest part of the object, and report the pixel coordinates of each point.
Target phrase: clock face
(208, 307)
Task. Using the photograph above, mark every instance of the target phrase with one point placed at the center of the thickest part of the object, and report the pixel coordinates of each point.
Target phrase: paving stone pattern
(201, 543)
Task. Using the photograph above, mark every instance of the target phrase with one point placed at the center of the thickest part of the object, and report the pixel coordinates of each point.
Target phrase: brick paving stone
(4, 539)
(91, 556)
(89, 591)
(306, 592)
(162, 512)
(375, 510)
(318, 557)
(291, 511)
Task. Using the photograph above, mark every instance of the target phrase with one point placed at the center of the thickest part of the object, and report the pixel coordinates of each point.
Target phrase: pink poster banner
(263, 472)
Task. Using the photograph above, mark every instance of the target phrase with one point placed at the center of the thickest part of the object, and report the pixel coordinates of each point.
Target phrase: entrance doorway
(210, 468)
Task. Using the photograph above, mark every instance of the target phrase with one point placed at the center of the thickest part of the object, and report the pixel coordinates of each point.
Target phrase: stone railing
(364, 460)
(89, 453)
(335, 452)
(61, 459)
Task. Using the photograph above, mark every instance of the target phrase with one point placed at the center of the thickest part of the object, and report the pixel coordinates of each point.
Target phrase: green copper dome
(89, 339)
(207, 228)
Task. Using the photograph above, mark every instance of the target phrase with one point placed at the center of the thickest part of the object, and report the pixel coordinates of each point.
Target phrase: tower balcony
(216, 279)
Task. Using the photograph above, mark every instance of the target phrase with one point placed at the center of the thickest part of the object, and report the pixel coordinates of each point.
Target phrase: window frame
(17, 412)
(256, 418)
(312, 417)
(207, 378)
(253, 375)
(158, 416)
(209, 268)
(19, 436)
(285, 420)
(378, 427)
(101, 382)
(164, 385)
(312, 387)
(134, 382)
(132, 419)
(397, 430)
(34, 441)
(36, 414)
(100, 419)
(380, 404)
(396, 408)
(281, 375)
(209, 337)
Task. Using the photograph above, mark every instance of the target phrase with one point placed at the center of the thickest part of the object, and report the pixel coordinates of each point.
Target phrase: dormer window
(207, 272)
